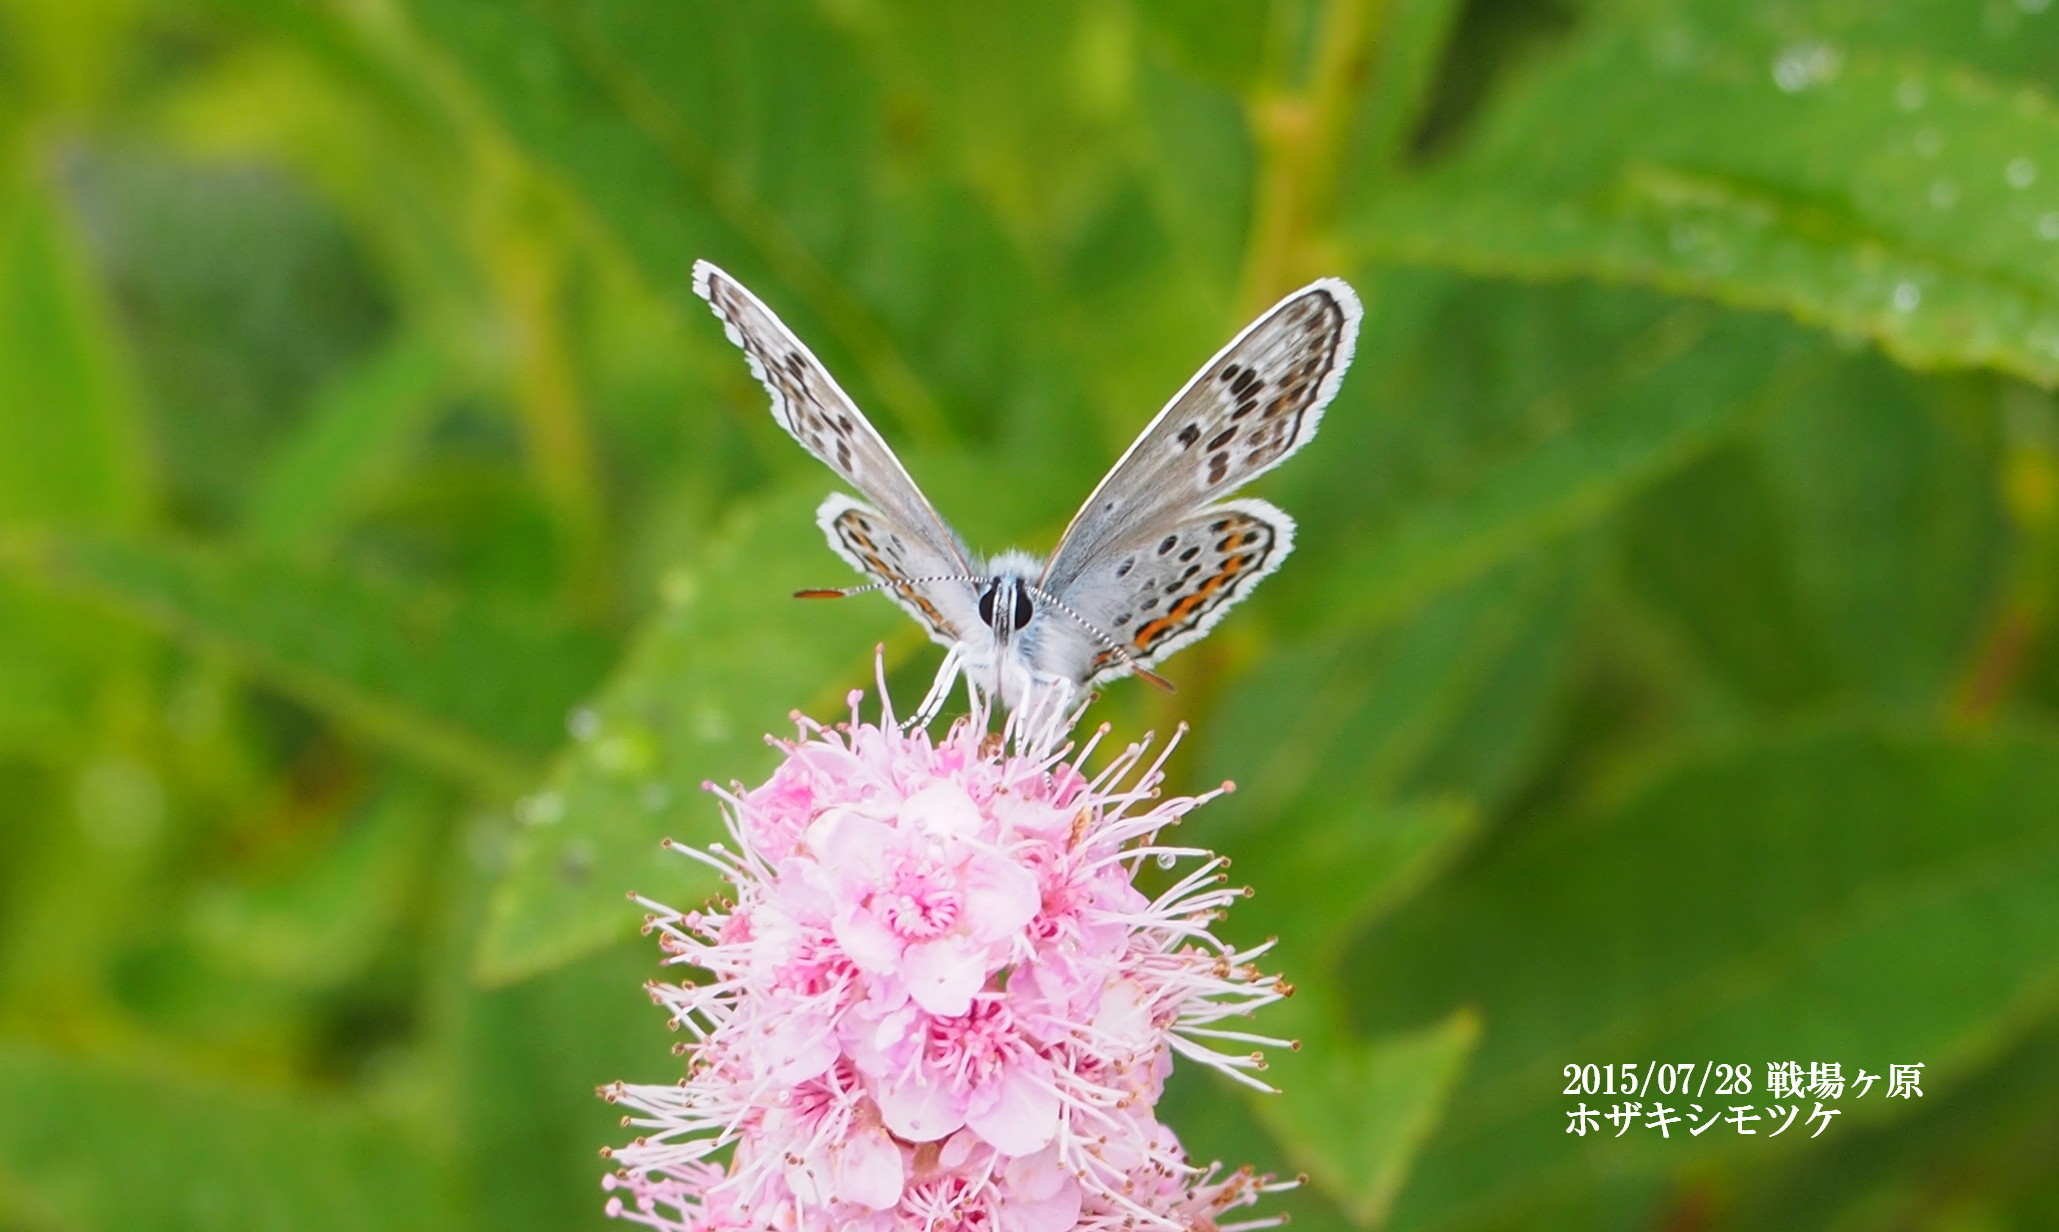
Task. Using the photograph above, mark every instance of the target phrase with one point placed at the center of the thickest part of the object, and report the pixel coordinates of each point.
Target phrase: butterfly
(1149, 563)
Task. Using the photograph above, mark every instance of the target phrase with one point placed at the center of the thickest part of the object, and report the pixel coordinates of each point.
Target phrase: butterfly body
(999, 663)
(1152, 559)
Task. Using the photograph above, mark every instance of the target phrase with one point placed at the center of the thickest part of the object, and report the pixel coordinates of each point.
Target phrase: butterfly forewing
(1242, 414)
(811, 406)
(928, 586)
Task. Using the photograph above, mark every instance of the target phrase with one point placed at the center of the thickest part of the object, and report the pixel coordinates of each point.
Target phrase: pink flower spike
(939, 1000)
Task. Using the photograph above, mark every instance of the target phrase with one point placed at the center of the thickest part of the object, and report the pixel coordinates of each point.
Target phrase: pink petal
(1124, 1016)
(1055, 1213)
(867, 1169)
(804, 1177)
(920, 1111)
(871, 944)
(1000, 896)
(1036, 1176)
(942, 808)
(851, 845)
(943, 974)
(1023, 1116)
(878, 1046)
(802, 1047)
(806, 889)
(960, 1148)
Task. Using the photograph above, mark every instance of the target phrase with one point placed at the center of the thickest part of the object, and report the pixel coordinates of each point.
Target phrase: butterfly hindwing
(816, 411)
(1155, 597)
(1246, 411)
(928, 586)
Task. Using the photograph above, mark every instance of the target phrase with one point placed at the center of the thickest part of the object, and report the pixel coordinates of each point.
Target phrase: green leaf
(1354, 1112)
(972, 219)
(354, 439)
(1198, 158)
(1692, 379)
(758, 157)
(1998, 1127)
(1879, 193)
(71, 451)
(240, 292)
(1855, 547)
(2016, 43)
(52, 661)
(471, 689)
(1889, 496)
(188, 1154)
(1493, 737)
(1839, 894)
(1219, 41)
(729, 658)
(324, 921)
(1218, 1122)
(1709, 553)
(524, 1063)
(1410, 48)
(1297, 896)
(1445, 702)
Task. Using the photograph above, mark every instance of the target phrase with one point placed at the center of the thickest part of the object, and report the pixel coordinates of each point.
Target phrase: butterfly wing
(928, 585)
(810, 405)
(1242, 414)
(1153, 598)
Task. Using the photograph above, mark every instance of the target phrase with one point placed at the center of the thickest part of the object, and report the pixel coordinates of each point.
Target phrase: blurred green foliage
(390, 546)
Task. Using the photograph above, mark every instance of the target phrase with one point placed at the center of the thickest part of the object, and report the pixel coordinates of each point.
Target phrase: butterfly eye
(986, 605)
(1023, 609)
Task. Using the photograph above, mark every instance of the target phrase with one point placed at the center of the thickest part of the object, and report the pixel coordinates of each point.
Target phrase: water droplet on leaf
(1801, 65)
(545, 808)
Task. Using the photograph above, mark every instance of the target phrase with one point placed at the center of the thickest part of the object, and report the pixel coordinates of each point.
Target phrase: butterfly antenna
(1114, 647)
(845, 592)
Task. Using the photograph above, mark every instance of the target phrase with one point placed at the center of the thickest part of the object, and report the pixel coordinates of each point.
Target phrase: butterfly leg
(1047, 708)
(939, 690)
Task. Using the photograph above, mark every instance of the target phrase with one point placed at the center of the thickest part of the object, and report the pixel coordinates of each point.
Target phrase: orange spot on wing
(1149, 635)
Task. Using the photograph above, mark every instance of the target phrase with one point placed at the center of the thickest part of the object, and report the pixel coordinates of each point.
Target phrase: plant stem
(1300, 135)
